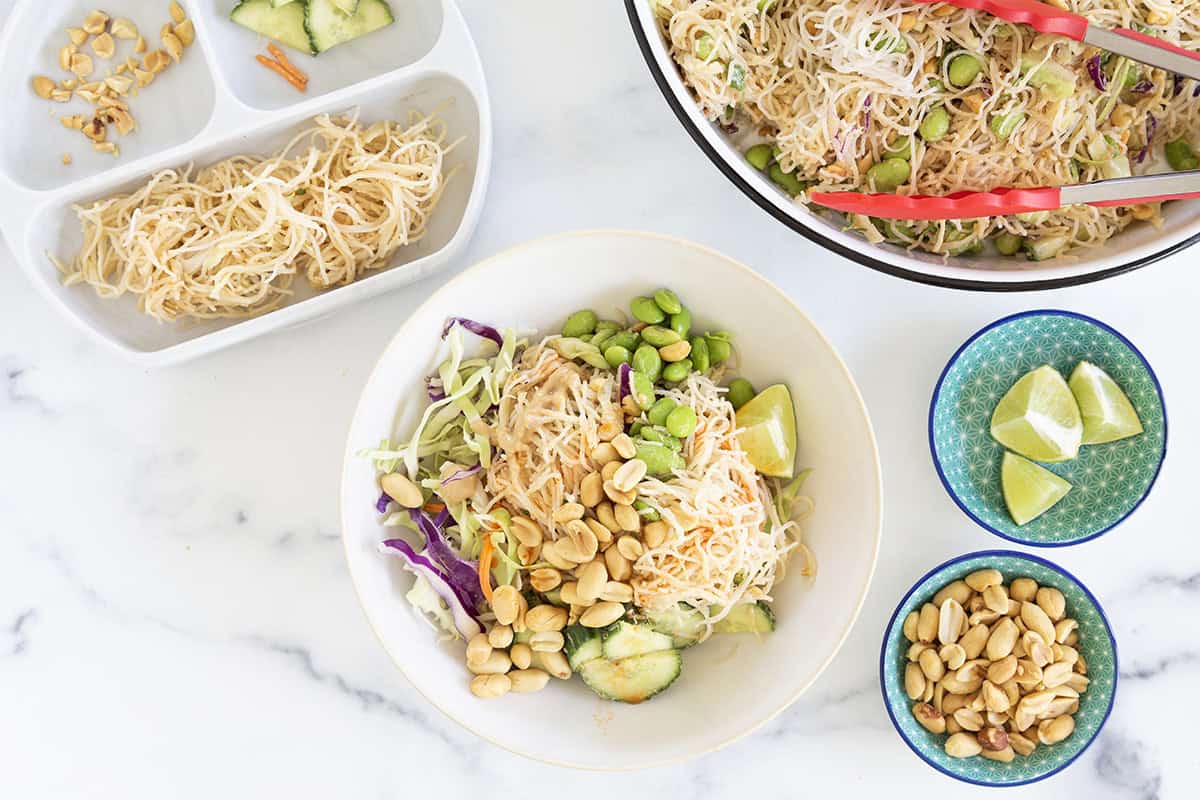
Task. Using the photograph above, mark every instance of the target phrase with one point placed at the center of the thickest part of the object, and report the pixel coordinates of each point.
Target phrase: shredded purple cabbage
(1196, 91)
(1178, 84)
(382, 503)
(462, 575)
(1142, 87)
(866, 115)
(1098, 77)
(1151, 129)
(477, 328)
(462, 473)
(465, 617)
(433, 388)
(623, 388)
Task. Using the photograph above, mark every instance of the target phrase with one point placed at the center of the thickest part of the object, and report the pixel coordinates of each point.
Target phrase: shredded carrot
(284, 62)
(434, 508)
(485, 567)
(277, 67)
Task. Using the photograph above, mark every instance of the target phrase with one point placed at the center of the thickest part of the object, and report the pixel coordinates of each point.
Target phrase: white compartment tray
(216, 103)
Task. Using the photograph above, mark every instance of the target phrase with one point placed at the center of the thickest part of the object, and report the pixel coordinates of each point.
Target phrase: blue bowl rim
(887, 631)
(937, 390)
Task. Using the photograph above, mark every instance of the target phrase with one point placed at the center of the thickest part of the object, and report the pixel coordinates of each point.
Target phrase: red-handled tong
(1124, 42)
(1004, 202)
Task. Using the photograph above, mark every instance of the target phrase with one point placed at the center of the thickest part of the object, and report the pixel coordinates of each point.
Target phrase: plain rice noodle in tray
(951, 100)
(227, 240)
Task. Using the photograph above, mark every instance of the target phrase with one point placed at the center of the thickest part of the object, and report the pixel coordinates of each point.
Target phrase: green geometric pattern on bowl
(1108, 481)
(1096, 645)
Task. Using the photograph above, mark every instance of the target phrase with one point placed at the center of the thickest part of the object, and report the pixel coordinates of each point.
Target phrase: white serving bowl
(730, 685)
(1134, 247)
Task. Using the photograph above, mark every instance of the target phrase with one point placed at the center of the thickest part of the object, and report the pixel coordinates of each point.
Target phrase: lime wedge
(1039, 417)
(1030, 489)
(769, 431)
(1107, 413)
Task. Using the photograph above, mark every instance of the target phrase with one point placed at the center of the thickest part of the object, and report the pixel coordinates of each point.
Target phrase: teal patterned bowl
(1109, 480)
(1096, 645)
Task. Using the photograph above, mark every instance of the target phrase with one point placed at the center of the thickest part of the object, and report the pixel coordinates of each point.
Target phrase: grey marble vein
(16, 394)
(1124, 764)
(1185, 659)
(18, 632)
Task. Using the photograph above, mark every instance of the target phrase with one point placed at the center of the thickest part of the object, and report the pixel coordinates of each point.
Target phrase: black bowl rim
(850, 253)
(1112, 640)
(1045, 312)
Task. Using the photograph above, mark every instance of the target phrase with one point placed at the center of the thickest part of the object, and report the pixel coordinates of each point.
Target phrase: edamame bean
(1180, 155)
(656, 434)
(700, 357)
(672, 444)
(936, 125)
(635, 428)
(759, 156)
(659, 459)
(963, 69)
(786, 180)
(681, 422)
(741, 391)
(668, 301)
(616, 355)
(677, 371)
(719, 349)
(643, 389)
(901, 148)
(647, 361)
(889, 175)
(600, 339)
(646, 511)
(646, 310)
(661, 409)
(1008, 244)
(659, 336)
(626, 339)
(579, 324)
(681, 322)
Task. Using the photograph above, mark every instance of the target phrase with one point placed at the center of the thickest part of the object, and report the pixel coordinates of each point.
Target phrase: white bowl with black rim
(1135, 247)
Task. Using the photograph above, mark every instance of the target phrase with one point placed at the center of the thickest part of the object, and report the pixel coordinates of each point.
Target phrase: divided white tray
(216, 103)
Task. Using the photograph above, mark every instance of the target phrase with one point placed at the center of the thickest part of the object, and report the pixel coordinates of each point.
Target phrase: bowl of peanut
(998, 668)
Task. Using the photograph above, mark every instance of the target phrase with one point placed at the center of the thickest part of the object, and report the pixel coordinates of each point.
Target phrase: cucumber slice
(684, 624)
(329, 27)
(633, 679)
(279, 3)
(285, 24)
(623, 639)
(582, 645)
(1045, 248)
(747, 618)
(348, 7)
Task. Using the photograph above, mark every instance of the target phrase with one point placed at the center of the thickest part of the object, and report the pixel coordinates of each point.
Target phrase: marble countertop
(176, 618)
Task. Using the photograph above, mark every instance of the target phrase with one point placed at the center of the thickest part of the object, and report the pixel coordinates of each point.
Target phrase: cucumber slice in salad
(684, 624)
(634, 679)
(329, 25)
(284, 23)
(747, 618)
(624, 639)
(582, 645)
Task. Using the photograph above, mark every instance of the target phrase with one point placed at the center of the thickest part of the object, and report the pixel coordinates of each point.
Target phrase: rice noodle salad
(887, 96)
(593, 501)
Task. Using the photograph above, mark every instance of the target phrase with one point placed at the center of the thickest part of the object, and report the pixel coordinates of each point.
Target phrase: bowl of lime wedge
(1048, 428)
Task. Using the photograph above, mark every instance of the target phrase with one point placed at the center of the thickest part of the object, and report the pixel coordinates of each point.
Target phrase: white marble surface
(175, 615)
